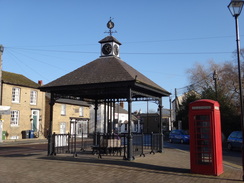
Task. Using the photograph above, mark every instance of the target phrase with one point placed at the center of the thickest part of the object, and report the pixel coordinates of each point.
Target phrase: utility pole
(215, 78)
(1, 121)
(176, 106)
(170, 111)
(1, 52)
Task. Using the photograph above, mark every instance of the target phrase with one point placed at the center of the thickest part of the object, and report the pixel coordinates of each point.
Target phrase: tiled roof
(18, 79)
(165, 113)
(104, 70)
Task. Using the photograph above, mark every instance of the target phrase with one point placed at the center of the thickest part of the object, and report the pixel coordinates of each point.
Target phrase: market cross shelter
(107, 80)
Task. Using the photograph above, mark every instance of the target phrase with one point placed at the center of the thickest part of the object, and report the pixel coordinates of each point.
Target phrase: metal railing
(146, 143)
(70, 143)
(109, 144)
(106, 144)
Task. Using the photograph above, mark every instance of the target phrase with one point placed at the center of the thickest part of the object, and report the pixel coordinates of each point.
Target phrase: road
(234, 157)
(22, 150)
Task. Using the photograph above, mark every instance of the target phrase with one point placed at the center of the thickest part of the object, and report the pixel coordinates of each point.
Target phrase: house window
(16, 95)
(81, 111)
(135, 127)
(33, 97)
(14, 121)
(62, 128)
(63, 109)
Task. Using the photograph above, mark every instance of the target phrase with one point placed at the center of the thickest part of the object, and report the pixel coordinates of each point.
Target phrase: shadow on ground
(94, 161)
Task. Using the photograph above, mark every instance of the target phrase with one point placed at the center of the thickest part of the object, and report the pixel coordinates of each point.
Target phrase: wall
(71, 111)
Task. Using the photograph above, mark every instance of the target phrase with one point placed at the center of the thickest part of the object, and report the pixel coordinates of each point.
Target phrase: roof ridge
(121, 62)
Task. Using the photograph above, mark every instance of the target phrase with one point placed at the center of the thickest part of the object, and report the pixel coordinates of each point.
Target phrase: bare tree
(201, 79)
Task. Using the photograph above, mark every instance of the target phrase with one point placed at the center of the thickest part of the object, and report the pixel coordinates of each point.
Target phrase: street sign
(4, 110)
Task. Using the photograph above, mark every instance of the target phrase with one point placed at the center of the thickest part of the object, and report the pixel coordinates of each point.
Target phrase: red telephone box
(205, 137)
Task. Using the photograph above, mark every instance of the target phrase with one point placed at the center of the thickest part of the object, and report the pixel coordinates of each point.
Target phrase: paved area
(23, 141)
(171, 166)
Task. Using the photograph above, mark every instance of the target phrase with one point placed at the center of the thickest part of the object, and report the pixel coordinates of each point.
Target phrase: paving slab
(170, 166)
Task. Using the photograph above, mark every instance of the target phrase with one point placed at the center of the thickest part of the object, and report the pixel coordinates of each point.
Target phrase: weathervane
(110, 25)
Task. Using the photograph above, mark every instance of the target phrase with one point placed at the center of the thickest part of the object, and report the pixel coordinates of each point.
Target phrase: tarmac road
(234, 157)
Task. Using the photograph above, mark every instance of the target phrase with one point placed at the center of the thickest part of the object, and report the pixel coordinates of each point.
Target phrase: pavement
(23, 141)
(173, 165)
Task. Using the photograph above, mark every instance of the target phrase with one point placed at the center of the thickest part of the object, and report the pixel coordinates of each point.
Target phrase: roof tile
(17, 79)
(103, 70)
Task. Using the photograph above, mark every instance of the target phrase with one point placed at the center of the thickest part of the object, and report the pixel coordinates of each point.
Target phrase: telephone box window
(203, 136)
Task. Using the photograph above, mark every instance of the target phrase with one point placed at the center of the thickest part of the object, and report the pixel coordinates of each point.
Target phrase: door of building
(35, 120)
(1, 131)
(81, 128)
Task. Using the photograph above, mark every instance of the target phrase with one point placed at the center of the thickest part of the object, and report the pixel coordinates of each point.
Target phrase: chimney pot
(40, 82)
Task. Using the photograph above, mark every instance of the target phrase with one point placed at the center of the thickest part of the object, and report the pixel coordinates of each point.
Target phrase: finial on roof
(110, 25)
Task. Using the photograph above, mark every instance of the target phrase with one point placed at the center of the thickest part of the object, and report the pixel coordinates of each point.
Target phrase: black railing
(138, 145)
(155, 142)
(109, 144)
(106, 144)
(67, 143)
(146, 143)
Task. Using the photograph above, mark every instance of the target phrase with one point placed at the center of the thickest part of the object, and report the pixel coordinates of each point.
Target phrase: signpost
(4, 110)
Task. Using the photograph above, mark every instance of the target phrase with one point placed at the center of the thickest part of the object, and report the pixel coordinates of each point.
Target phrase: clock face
(116, 49)
(106, 49)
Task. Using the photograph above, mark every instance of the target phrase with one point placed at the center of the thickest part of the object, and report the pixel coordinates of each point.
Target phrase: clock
(116, 49)
(106, 49)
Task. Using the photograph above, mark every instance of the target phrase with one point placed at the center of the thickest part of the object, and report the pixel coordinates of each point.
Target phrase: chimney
(121, 104)
(40, 82)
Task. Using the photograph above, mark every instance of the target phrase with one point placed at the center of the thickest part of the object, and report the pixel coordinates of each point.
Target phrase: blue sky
(46, 39)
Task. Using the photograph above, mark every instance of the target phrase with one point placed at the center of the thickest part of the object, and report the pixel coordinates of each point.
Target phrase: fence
(70, 143)
(110, 144)
(146, 143)
(106, 144)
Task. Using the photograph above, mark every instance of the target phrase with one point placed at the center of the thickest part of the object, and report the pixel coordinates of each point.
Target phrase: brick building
(27, 106)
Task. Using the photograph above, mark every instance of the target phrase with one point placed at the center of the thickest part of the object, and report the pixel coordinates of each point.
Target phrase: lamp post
(235, 8)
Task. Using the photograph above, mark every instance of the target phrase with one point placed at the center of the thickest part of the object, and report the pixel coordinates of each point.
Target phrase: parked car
(234, 141)
(181, 136)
